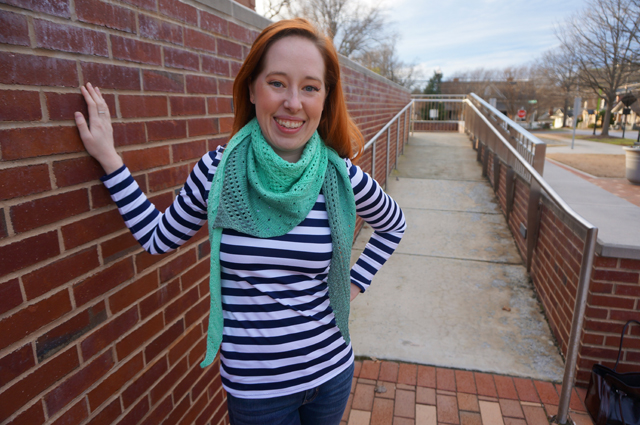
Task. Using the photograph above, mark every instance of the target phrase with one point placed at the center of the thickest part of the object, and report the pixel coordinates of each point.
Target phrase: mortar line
(460, 211)
(476, 260)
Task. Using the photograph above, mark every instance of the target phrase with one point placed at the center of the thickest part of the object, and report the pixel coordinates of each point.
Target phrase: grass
(612, 140)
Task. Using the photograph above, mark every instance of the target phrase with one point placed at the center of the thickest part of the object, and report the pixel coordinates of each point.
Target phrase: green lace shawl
(256, 192)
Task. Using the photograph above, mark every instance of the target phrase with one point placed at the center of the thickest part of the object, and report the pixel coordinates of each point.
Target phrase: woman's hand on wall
(97, 136)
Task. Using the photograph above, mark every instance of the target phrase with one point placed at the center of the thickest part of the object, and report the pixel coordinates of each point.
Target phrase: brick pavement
(389, 393)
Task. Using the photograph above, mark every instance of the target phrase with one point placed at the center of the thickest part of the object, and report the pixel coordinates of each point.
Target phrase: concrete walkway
(455, 294)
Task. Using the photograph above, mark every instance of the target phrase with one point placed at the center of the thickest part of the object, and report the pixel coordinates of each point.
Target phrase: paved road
(440, 300)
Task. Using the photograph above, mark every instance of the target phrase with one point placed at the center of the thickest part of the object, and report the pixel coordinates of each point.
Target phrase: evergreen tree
(434, 84)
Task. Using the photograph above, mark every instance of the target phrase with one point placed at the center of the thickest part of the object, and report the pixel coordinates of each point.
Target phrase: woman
(280, 200)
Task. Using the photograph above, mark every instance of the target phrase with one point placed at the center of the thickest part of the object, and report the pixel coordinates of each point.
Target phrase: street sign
(522, 113)
(533, 101)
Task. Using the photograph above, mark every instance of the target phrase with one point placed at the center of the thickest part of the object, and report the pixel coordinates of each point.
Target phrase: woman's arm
(386, 218)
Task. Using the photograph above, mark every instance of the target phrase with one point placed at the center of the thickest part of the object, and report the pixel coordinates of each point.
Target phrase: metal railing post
(576, 325)
(388, 149)
(395, 164)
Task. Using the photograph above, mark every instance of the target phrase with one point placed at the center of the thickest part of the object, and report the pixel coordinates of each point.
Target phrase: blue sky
(455, 35)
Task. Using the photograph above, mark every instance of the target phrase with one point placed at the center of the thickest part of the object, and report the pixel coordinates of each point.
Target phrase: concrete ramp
(456, 293)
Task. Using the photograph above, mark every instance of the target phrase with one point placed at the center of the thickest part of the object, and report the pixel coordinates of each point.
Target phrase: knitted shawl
(256, 192)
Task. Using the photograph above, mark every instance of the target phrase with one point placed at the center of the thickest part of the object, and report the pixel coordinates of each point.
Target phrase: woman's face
(289, 95)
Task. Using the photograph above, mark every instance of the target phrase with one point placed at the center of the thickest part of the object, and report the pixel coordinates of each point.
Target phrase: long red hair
(336, 127)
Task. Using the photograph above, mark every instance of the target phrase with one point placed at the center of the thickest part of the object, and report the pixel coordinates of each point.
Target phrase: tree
(384, 61)
(434, 86)
(604, 40)
(558, 71)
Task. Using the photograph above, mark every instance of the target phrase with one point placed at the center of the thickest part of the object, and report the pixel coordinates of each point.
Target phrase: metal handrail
(585, 267)
(386, 126)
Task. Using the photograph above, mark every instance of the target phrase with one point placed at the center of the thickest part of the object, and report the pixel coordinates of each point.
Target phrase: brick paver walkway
(406, 394)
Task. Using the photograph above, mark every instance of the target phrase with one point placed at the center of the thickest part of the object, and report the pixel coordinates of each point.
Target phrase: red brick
(229, 49)
(445, 379)
(219, 105)
(163, 341)
(203, 126)
(67, 38)
(235, 68)
(29, 142)
(135, 415)
(143, 106)
(144, 4)
(139, 336)
(133, 292)
(199, 40)
(195, 275)
(107, 415)
(73, 386)
(74, 416)
(142, 384)
(187, 105)
(607, 262)
(196, 355)
(62, 106)
(45, 279)
(144, 260)
(615, 276)
(91, 228)
(24, 253)
(465, 382)
(186, 383)
(100, 196)
(214, 65)
(50, 7)
(105, 14)
(145, 159)
(17, 326)
(615, 302)
(160, 412)
(526, 390)
(226, 124)
(370, 370)
(547, 392)
(197, 407)
(627, 290)
(72, 329)
(34, 415)
(131, 133)
(180, 305)
(19, 105)
(15, 364)
(407, 374)
(37, 70)
(505, 387)
(157, 29)
(447, 408)
(363, 397)
(178, 411)
(39, 212)
(388, 372)
(184, 344)
(162, 81)
(10, 295)
(22, 181)
(240, 33)
(168, 381)
(108, 333)
(3, 226)
(176, 58)
(427, 376)
(103, 281)
(14, 29)
(111, 76)
(197, 312)
(179, 11)
(629, 264)
(213, 23)
(198, 84)
(75, 171)
(164, 130)
(20, 393)
(225, 87)
(168, 177)
(118, 247)
(132, 50)
(485, 384)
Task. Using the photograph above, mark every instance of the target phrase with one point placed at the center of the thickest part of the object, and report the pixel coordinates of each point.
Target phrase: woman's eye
(276, 84)
(311, 89)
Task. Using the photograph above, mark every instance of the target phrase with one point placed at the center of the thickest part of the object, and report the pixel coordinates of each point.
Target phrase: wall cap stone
(250, 17)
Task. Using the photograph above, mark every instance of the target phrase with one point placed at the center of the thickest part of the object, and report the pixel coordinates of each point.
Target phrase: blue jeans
(323, 405)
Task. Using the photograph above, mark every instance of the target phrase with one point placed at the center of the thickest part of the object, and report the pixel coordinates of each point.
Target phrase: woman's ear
(251, 95)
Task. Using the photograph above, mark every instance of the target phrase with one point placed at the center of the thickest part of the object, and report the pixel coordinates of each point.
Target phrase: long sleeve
(386, 218)
(156, 231)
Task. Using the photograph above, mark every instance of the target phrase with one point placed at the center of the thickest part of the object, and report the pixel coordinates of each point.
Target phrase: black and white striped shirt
(280, 335)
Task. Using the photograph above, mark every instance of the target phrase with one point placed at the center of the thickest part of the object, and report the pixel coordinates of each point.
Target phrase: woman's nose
(292, 102)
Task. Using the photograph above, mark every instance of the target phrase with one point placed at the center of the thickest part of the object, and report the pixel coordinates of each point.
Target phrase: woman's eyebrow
(284, 74)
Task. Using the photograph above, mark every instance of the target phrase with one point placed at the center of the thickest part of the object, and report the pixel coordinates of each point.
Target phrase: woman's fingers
(83, 128)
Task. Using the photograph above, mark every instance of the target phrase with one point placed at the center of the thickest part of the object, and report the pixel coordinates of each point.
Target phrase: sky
(458, 35)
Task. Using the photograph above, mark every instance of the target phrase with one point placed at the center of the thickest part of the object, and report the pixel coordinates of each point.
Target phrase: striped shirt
(280, 335)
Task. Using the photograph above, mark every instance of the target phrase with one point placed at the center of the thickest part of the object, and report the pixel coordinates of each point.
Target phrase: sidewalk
(406, 394)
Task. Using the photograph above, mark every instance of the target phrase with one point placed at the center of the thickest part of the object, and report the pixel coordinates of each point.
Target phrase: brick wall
(92, 329)
(614, 289)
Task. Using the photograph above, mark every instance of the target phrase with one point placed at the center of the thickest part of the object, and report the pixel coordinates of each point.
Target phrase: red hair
(336, 127)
